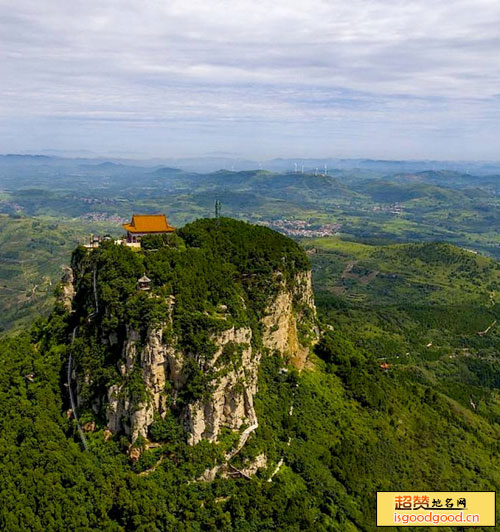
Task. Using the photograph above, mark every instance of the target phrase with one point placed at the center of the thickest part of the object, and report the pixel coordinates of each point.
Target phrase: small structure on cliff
(146, 224)
(95, 241)
(144, 283)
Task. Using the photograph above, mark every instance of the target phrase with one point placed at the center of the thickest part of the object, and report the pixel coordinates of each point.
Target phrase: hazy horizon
(128, 157)
(387, 80)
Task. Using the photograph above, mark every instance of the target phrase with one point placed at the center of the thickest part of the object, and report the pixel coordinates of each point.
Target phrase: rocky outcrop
(289, 308)
(230, 404)
(250, 468)
(130, 414)
(67, 289)
(159, 364)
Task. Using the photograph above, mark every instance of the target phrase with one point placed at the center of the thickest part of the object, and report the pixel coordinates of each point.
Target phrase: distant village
(301, 228)
(102, 217)
(395, 208)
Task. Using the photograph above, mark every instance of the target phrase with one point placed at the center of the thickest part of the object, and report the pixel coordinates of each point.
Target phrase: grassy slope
(32, 253)
(420, 307)
(420, 273)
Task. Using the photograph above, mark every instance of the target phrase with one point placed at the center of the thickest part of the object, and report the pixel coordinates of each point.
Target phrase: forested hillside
(340, 429)
(430, 310)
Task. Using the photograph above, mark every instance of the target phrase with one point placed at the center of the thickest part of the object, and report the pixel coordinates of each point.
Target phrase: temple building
(146, 224)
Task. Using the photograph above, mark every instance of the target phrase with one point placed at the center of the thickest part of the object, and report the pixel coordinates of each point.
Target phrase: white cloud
(384, 65)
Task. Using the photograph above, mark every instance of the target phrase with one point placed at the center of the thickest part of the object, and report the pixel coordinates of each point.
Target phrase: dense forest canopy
(355, 428)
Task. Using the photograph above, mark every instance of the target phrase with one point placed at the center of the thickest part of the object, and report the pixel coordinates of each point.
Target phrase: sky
(387, 79)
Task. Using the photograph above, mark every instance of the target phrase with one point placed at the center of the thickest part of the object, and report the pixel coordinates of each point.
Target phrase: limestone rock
(230, 403)
(260, 462)
(134, 454)
(67, 289)
(280, 322)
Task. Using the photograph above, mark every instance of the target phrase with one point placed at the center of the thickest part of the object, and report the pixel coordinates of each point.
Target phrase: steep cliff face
(123, 412)
(195, 357)
(289, 308)
(67, 290)
(230, 403)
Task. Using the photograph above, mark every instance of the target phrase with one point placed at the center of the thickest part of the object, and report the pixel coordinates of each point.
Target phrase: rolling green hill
(386, 293)
(450, 179)
(396, 192)
(32, 253)
(369, 205)
(430, 273)
(429, 309)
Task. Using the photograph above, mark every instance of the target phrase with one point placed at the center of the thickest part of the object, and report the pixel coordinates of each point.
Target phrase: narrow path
(94, 284)
(487, 330)
(95, 291)
(243, 439)
(152, 469)
(71, 397)
(210, 474)
(277, 468)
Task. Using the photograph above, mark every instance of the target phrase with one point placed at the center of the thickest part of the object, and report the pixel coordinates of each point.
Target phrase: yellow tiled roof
(149, 223)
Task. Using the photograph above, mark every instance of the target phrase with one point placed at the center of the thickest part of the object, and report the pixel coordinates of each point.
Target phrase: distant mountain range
(309, 165)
